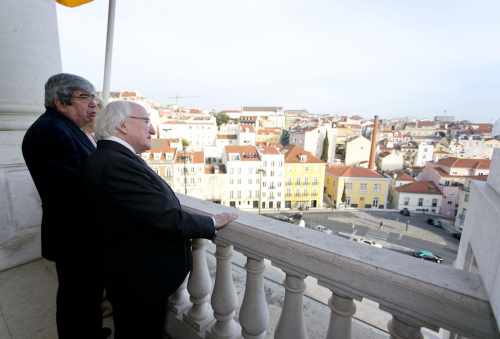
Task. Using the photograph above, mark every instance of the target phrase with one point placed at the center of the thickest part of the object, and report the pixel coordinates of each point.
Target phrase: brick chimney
(373, 149)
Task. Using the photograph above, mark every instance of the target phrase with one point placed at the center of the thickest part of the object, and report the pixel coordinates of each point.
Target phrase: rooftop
(353, 172)
(465, 163)
(419, 187)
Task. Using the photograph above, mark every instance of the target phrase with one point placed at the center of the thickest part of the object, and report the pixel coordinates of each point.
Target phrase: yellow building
(304, 178)
(356, 187)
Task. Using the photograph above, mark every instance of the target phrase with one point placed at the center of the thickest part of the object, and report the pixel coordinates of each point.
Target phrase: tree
(285, 137)
(324, 152)
(221, 118)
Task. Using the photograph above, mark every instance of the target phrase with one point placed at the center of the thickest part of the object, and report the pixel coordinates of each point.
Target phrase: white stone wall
(30, 54)
(479, 250)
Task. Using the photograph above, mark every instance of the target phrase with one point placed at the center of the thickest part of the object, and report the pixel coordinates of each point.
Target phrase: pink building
(449, 174)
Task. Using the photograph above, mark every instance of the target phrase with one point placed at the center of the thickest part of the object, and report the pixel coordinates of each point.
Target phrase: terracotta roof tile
(293, 154)
(419, 187)
(196, 157)
(402, 176)
(247, 152)
(465, 163)
(353, 172)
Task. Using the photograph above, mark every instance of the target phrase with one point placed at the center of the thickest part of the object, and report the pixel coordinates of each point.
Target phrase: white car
(323, 229)
(367, 242)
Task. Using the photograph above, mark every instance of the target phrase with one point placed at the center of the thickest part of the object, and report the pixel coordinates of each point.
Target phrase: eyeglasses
(85, 97)
(147, 120)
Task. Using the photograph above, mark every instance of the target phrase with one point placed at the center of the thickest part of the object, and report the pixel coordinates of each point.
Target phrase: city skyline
(354, 57)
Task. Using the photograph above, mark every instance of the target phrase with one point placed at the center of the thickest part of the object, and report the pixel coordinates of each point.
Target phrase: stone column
(30, 54)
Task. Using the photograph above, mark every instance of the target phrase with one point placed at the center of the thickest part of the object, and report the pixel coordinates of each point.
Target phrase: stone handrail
(417, 294)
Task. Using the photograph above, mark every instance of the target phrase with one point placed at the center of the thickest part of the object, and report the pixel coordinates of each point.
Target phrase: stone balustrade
(417, 294)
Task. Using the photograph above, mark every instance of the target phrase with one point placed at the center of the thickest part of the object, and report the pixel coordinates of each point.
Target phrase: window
(375, 202)
(231, 195)
(305, 180)
(466, 197)
(420, 202)
(363, 187)
(239, 181)
(406, 201)
(264, 184)
(376, 188)
(239, 194)
(348, 186)
(348, 201)
(315, 180)
(434, 202)
(297, 182)
(249, 181)
(231, 181)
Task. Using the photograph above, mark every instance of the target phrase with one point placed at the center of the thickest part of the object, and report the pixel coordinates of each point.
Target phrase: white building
(246, 135)
(272, 178)
(357, 151)
(200, 131)
(390, 161)
(242, 186)
(425, 153)
(418, 196)
(274, 115)
(188, 173)
(311, 139)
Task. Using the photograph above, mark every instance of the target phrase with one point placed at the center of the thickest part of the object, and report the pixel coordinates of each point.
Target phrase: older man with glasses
(55, 148)
(146, 232)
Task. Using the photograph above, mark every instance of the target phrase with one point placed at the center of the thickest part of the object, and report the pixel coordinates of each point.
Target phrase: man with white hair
(145, 232)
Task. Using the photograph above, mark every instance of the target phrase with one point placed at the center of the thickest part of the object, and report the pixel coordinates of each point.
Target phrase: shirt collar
(121, 142)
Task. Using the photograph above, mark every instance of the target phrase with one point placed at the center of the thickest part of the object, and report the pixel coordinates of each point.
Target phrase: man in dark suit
(54, 149)
(145, 232)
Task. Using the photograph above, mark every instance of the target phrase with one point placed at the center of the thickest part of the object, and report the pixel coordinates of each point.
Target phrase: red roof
(269, 150)
(353, 172)
(420, 187)
(195, 157)
(402, 176)
(247, 152)
(161, 145)
(294, 154)
(465, 163)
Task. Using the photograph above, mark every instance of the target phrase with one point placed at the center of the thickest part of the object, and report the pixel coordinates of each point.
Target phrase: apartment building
(449, 174)
(304, 178)
(161, 158)
(188, 173)
(358, 187)
(418, 196)
(199, 130)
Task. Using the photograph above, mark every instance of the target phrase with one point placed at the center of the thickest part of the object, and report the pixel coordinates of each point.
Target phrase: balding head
(128, 121)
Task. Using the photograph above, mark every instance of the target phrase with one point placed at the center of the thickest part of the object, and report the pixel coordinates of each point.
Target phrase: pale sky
(387, 57)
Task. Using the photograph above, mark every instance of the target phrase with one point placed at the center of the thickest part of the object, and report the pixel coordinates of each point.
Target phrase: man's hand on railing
(222, 219)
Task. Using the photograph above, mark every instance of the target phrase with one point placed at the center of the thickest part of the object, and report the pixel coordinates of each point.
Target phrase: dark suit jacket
(54, 149)
(146, 234)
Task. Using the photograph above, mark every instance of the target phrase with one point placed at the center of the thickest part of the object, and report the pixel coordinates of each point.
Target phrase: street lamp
(260, 171)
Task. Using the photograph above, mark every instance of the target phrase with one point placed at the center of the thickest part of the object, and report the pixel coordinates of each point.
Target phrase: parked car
(367, 242)
(405, 212)
(282, 218)
(435, 222)
(296, 216)
(428, 255)
(323, 229)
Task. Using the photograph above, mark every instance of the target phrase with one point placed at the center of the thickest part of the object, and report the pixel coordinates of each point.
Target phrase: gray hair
(62, 86)
(112, 116)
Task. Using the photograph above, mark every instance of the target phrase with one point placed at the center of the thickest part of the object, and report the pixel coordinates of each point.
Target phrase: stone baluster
(403, 327)
(179, 301)
(224, 301)
(291, 323)
(199, 287)
(342, 309)
(254, 312)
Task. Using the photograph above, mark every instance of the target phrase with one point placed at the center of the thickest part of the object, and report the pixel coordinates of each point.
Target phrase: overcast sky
(386, 57)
